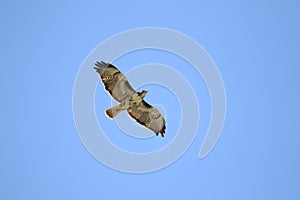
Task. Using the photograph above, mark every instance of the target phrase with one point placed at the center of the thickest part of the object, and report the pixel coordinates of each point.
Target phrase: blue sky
(255, 45)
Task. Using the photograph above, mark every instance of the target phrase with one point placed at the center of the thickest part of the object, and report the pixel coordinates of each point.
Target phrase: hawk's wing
(149, 117)
(114, 81)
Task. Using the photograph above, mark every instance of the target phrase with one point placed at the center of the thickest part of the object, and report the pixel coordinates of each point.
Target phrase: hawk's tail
(114, 111)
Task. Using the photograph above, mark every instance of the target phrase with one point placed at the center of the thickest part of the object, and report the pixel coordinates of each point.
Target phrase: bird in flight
(129, 99)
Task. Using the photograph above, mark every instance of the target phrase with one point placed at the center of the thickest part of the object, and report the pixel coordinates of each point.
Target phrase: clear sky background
(255, 45)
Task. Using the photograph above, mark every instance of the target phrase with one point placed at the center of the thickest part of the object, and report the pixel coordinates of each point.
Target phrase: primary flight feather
(119, 88)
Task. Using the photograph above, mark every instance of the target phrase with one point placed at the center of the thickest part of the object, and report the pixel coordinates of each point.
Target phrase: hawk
(129, 99)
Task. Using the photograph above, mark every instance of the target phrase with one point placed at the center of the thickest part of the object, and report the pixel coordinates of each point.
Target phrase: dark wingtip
(162, 131)
(100, 66)
(101, 63)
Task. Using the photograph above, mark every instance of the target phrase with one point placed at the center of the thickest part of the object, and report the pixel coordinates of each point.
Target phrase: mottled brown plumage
(129, 99)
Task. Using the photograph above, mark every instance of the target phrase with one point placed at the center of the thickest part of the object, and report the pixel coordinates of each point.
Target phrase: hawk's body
(132, 101)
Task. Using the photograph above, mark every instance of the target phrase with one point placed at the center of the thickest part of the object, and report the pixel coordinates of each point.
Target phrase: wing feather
(148, 116)
(114, 81)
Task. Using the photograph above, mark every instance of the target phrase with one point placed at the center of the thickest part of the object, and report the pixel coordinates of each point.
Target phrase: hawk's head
(142, 94)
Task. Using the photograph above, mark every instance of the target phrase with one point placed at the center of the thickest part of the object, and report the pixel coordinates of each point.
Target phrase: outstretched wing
(114, 81)
(149, 117)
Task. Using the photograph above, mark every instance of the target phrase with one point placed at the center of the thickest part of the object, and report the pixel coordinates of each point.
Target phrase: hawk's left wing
(149, 117)
(114, 81)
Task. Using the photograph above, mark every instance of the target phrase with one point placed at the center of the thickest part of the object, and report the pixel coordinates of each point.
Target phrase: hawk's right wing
(114, 81)
(149, 117)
